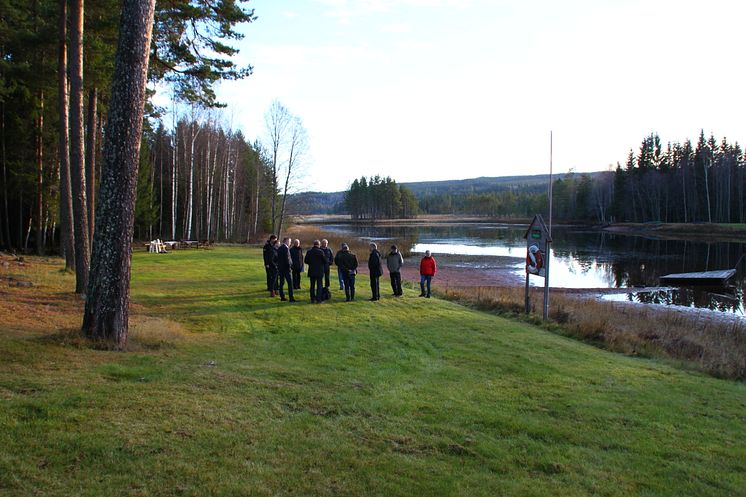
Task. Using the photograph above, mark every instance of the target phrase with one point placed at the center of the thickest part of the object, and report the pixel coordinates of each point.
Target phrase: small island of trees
(380, 198)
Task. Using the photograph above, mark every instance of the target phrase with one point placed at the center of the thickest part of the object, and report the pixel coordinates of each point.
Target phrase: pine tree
(107, 305)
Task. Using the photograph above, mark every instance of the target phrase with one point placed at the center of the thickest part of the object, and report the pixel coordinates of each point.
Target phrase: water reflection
(717, 299)
(579, 258)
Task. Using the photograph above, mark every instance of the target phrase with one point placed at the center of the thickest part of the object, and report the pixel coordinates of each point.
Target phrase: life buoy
(534, 260)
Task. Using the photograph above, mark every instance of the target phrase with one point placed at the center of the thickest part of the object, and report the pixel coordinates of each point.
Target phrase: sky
(451, 89)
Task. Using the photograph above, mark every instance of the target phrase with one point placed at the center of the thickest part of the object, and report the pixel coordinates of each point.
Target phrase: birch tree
(277, 121)
(297, 150)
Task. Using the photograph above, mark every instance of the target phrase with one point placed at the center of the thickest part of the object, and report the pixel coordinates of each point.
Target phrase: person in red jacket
(428, 269)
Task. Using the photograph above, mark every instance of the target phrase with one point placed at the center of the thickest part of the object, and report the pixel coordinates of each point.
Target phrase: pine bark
(90, 160)
(66, 209)
(6, 215)
(40, 176)
(107, 305)
(77, 153)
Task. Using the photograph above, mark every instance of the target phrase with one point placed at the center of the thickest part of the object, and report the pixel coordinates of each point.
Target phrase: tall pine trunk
(66, 203)
(90, 160)
(107, 306)
(77, 154)
(40, 176)
(6, 215)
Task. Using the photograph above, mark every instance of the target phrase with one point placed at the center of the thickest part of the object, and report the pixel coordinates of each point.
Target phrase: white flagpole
(547, 252)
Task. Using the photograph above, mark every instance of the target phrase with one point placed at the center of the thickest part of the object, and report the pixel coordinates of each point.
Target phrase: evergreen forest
(678, 183)
(198, 178)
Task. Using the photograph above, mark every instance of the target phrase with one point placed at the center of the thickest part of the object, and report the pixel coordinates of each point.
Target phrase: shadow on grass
(143, 337)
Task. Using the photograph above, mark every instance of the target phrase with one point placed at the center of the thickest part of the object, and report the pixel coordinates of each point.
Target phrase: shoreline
(681, 231)
(503, 272)
(695, 231)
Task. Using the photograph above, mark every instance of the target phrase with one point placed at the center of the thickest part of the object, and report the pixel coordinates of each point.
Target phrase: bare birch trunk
(107, 306)
(160, 187)
(234, 196)
(208, 186)
(174, 184)
(190, 183)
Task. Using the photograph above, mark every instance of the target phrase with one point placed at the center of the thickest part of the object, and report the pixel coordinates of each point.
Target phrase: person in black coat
(296, 253)
(375, 269)
(270, 264)
(284, 264)
(329, 261)
(346, 263)
(318, 265)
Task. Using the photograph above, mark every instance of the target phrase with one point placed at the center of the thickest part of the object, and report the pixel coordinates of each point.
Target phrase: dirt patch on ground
(47, 307)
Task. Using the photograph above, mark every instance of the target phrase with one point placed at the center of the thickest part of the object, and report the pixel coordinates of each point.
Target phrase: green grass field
(247, 396)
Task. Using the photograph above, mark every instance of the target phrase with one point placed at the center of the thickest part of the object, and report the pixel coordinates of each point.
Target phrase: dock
(701, 278)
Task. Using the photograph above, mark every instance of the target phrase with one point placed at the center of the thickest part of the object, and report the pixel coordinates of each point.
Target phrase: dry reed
(709, 342)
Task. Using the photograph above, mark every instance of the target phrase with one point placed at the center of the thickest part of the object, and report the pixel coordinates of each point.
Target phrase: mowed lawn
(248, 396)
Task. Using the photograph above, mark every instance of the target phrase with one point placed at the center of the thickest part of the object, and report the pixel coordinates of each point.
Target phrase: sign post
(537, 258)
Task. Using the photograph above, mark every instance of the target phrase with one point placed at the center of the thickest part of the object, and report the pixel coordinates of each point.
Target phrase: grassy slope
(400, 397)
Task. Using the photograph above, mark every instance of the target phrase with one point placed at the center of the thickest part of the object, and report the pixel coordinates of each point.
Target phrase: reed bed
(709, 342)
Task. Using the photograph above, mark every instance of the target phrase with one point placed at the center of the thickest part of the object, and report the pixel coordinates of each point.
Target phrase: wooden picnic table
(172, 244)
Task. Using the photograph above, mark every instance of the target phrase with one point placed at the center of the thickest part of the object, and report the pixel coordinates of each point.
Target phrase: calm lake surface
(580, 258)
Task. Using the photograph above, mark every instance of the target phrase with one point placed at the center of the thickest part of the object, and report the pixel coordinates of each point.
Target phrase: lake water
(580, 258)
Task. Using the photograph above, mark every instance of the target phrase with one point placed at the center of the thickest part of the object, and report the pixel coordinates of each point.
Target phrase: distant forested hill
(316, 203)
(330, 203)
(479, 185)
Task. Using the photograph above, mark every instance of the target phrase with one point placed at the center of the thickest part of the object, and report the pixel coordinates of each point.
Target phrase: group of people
(285, 262)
